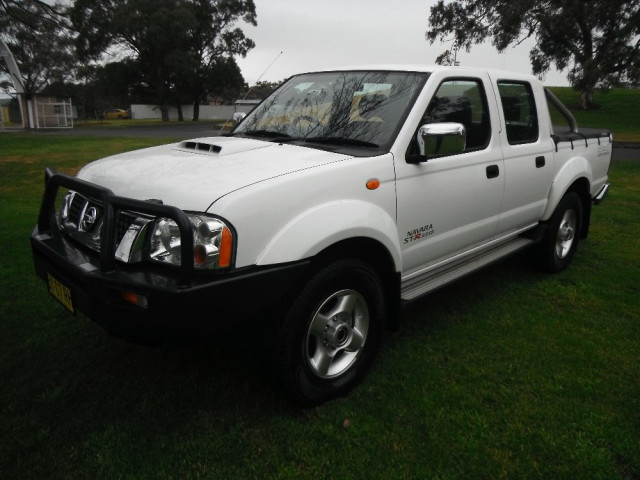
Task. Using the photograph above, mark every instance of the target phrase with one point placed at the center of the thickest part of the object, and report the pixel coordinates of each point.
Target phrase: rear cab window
(520, 114)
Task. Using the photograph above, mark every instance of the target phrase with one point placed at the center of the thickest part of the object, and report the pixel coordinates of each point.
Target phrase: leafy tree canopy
(31, 13)
(176, 43)
(224, 79)
(37, 36)
(597, 40)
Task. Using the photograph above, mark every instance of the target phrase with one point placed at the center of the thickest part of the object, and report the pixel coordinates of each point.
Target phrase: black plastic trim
(111, 204)
(207, 305)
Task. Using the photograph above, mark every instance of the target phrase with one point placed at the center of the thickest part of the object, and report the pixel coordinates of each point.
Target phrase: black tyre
(561, 241)
(331, 334)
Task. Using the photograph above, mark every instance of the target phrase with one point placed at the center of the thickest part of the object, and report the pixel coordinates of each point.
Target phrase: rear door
(528, 152)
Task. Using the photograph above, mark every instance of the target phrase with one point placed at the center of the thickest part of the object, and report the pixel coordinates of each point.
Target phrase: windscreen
(364, 108)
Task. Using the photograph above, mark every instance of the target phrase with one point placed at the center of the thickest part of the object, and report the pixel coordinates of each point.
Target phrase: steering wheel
(313, 122)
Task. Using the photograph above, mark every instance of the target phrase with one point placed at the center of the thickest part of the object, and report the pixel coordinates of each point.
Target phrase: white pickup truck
(340, 197)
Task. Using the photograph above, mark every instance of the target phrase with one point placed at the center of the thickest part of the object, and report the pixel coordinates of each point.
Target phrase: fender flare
(326, 224)
(573, 170)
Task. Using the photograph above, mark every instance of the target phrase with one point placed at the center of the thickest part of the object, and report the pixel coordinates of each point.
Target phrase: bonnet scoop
(220, 146)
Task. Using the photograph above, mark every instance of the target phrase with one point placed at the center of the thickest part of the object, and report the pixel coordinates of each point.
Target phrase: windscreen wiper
(346, 141)
(270, 134)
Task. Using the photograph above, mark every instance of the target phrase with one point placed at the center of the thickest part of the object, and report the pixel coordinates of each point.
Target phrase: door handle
(540, 162)
(493, 171)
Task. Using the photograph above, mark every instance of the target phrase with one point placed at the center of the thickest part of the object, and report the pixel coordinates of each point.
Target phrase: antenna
(266, 69)
(251, 88)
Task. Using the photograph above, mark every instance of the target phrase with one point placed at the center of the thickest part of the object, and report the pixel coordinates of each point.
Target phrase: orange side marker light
(373, 184)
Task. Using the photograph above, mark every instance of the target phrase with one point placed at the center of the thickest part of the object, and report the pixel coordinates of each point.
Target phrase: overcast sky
(316, 34)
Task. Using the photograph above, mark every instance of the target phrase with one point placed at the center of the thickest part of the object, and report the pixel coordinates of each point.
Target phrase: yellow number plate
(61, 292)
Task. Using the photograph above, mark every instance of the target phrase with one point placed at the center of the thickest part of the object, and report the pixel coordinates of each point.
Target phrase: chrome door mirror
(439, 139)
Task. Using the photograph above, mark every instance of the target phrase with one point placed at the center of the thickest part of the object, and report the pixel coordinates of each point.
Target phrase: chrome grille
(82, 219)
(77, 206)
(125, 219)
(132, 248)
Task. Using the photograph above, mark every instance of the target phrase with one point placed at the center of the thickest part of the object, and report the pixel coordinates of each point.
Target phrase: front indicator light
(226, 248)
(136, 299)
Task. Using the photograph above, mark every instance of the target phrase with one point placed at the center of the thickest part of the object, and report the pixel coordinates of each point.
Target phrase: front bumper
(172, 308)
(145, 301)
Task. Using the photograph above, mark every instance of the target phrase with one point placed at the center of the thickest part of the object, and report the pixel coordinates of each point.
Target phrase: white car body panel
(288, 202)
(191, 179)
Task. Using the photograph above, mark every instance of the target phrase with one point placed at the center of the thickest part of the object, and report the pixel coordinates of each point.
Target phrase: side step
(435, 278)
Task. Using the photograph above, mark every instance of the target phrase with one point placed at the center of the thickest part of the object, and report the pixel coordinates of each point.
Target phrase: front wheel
(331, 334)
(561, 241)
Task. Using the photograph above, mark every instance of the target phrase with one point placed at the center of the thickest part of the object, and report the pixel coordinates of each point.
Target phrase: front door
(451, 203)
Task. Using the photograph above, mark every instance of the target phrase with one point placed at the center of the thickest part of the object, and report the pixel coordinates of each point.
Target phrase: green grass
(509, 373)
(616, 110)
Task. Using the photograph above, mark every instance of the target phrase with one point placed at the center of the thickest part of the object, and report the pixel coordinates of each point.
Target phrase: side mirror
(238, 117)
(438, 139)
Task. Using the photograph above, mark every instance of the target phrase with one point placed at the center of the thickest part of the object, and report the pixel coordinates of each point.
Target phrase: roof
(427, 69)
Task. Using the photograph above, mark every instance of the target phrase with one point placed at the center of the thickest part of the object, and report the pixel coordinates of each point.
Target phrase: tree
(598, 40)
(448, 58)
(213, 42)
(41, 45)
(153, 32)
(175, 42)
(31, 13)
(261, 90)
(224, 80)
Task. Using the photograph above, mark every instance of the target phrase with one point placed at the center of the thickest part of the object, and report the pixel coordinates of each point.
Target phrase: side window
(520, 113)
(560, 122)
(462, 101)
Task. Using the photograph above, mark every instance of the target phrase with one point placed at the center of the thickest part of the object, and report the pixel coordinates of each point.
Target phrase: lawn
(509, 373)
(616, 110)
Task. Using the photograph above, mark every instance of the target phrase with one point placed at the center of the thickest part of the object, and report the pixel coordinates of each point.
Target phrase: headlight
(212, 242)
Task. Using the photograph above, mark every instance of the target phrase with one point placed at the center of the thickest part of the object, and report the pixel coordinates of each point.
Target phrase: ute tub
(583, 135)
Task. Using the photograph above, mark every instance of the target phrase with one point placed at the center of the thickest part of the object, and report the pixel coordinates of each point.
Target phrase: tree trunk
(587, 84)
(586, 98)
(163, 98)
(196, 110)
(164, 111)
(24, 110)
(180, 115)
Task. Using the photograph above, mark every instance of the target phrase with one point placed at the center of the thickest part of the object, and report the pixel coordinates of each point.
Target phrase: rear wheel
(331, 334)
(561, 241)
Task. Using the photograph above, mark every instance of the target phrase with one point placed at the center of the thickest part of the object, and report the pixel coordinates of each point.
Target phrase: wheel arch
(379, 258)
(319, 228)
(574, 176)
(369, 251)
(344, 229)
(582, 187)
